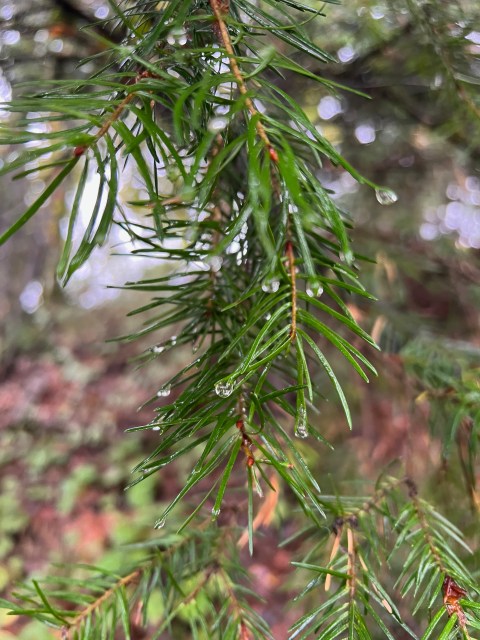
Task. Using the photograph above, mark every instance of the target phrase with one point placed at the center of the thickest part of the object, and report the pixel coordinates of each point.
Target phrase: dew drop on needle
(301, 430)
(271, 285)
(386, 196)
(224, 389)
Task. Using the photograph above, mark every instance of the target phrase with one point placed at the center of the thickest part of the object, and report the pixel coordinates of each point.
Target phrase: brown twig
(413, 495)
(220, 9)
(96, 604)
(81, 149)
(235, 607)
(247, 443)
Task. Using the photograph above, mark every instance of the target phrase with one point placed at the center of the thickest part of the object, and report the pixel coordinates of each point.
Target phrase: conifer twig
(114, 116)
(96, 604)
(219, 9)
(413, 495)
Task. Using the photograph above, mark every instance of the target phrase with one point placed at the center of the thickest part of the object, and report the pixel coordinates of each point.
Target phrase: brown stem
(247, 443)
(413, 495)
(123, 582)
(220, 9)
(80, 150)
(235, 607)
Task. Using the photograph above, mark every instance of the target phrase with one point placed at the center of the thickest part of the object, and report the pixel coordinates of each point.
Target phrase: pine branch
(220, 9)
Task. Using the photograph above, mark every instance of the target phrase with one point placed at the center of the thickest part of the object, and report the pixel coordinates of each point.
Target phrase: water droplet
(271, 285)
(386, 196)
(258, 490)
(160, 523)
(164, 391)
(301, 430)
(347, 256)
(156, 428)
(217, 124)
(214, 262)
(158, 348)
(215, 512)
(314, 288)
(268, 316)
(177, 36)
(173, 341)
(223, 388)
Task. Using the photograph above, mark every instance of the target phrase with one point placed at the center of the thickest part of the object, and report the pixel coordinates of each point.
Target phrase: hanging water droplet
(214, 262)
(271, 285)
(177, 36)
(196, 344)
(258, 489)
(215, 512)
(160, 523)
(386, 196)
(301, 430)
(164, 391)
(268, 316)
(347, 256)
(173, 341)
(223, 388)
(314, 288)
(158, 348)
(156, 428)
(217, 124)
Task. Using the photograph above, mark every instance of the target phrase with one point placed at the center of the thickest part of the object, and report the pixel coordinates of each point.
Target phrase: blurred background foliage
(66, 395)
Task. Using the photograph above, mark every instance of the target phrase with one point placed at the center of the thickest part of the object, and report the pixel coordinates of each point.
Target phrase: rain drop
(158, 348)
(347, 256)
(214, 262)
(177, 36)
(258, 490)
(156, 428)
(173, 341)
(159, 524)
(196, 344)
(215, 512)
(217, 124)
(314, 288)
(301, 423)
(224, 388)
(271, 285)
(386, 196)
(164, 391)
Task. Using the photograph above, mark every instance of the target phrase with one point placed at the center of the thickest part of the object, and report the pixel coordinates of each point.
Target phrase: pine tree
(261, 272)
